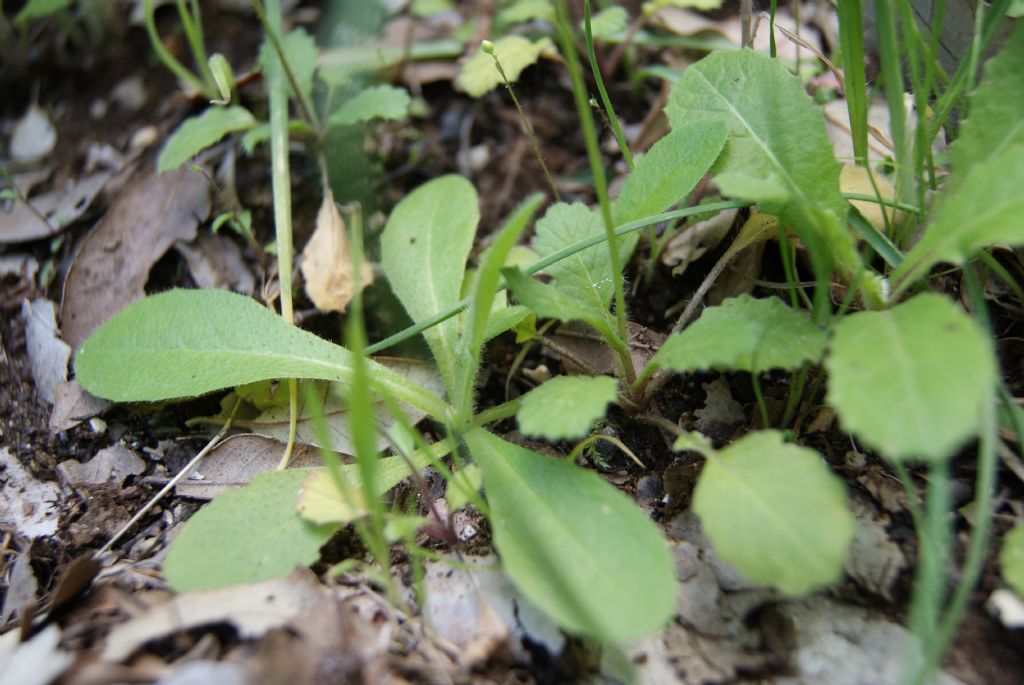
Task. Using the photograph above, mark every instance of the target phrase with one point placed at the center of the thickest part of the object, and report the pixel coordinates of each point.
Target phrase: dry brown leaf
(112, 264)
(50, 211)
(234, 462)
(327, 261)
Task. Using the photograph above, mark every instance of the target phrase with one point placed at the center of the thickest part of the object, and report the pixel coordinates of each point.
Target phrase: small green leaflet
(198, 133)
(39, 8)
(480, 75)
(566, 407)
(550, 302)
(909, 381)
(608, 23)
(776, 512)
(301, 52)
(586, 276)
(744, 334)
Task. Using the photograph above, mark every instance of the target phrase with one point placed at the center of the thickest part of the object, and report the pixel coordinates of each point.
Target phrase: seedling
(913, 379)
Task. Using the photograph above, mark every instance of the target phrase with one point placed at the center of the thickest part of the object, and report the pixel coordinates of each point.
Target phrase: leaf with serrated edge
(586, 276)
(776, 512)
(909, 381)
(549, 302)
(995, 122)
(566, 407)
(576, 547)
(377, 102)
(424, 248)
(200, 132)
(246, 535)
(184, 343)
(744, 334)
(775, 130)
(985, 209)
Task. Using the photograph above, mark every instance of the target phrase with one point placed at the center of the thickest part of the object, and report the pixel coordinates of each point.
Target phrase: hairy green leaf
(985, 209)
(566, 407)
(1011, 559)
(579, 549)
(200, 132)
(246, 535)
(995, 122)
(377, 102)
(744, 334)
(670, 170)
(776, 512)
(183, 343)
(585, 277)
(480, 75)
(909, 381)
(775, 131)
(550, 302)
(423, 253)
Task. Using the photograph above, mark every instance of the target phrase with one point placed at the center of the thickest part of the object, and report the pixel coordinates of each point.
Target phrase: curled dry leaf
(47, 353)
(327, 261)
(50, 211)
(857, 179)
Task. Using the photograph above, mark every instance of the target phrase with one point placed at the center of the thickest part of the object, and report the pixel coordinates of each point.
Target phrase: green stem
(176, 67)
(274, 30)
(544, 263)
(191, 22)
(600, 182)
(621, 139)
(933, 550)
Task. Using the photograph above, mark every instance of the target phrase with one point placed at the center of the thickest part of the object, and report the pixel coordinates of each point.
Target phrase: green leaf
(378, 102)
(301, 52)
(765, 189)
(585, 277)
(576, 547)
(608, 23)
(909, 381)
(223, 77)
(775, 130)
(566, 407)
(183, 343)
(995, 121)
(548, 301)
(987, 208)
(198, 133)
(39, 8)
(670, 170)
(246, 535)
(1011, 560)
(744, 334)
(776, 512)
(423, 253)
(480, 75)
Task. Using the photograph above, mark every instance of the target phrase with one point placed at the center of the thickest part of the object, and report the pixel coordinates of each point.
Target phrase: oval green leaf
(776, 512)
(566, 407)
(423, 253)
(909, 381)
(576, 547)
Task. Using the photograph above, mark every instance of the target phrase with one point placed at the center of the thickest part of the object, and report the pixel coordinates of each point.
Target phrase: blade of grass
(597, 171)
(605, 101)
(851, 42)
